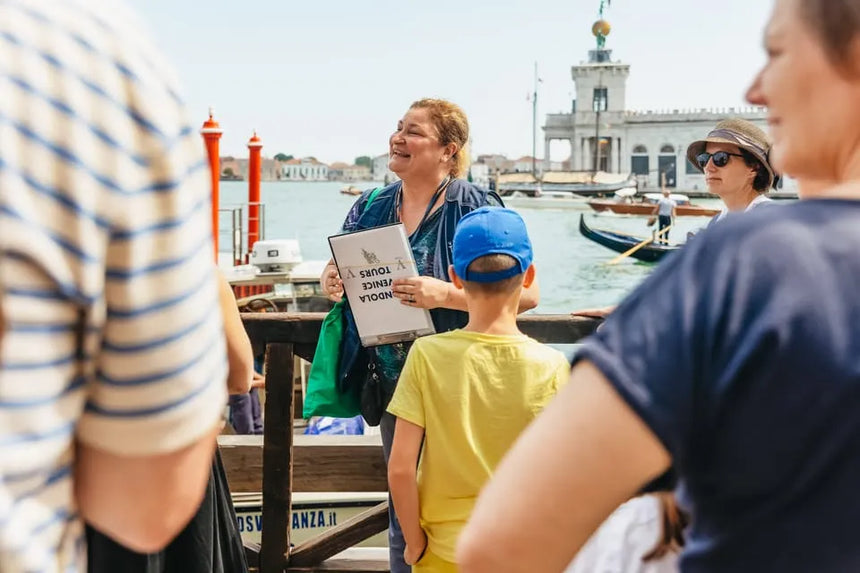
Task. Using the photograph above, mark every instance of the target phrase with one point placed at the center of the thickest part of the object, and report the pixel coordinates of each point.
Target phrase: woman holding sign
(429, 152)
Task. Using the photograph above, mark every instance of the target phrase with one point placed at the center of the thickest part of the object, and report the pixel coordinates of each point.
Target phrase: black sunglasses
(721, 158)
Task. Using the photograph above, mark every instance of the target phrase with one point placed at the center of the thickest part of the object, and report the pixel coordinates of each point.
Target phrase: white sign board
(368, 262)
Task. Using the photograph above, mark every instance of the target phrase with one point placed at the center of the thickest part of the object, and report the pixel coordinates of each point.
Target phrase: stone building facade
(605, 136)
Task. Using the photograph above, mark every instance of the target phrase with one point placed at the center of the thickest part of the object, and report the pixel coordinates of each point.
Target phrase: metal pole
(597, 139)
(237, 236)
(598, 103)
(255, 167)
(534, 126)
(262, 221)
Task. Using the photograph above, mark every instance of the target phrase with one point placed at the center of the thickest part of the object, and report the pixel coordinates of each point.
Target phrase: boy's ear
(454, 278)
(529, 277)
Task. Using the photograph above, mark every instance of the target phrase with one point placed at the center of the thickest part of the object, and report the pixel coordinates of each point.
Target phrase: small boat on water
(545, 200)
(579, 182)
(628, 205)
(350, 190)
(621, 243)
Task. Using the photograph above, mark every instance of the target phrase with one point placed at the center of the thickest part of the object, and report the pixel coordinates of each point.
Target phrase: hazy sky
(330, 78)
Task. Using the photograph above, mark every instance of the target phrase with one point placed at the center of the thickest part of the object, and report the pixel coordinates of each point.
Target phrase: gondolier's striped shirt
(106, 275)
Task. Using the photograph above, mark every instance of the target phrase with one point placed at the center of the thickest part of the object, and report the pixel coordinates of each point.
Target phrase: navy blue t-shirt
(742, 354)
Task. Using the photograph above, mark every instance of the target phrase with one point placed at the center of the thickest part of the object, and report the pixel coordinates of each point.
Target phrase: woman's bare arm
(240, 357)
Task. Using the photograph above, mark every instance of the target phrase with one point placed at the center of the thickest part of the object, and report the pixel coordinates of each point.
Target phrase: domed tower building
(605, 136)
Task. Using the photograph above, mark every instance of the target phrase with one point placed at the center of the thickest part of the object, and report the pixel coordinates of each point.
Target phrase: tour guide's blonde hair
(453, 127)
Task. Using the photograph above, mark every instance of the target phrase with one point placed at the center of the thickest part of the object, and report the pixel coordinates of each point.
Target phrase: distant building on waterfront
(528, 164)
(304, 169)
(605, 136)
(231, 169)
(496, 163)
(236, 168)
(340, 171)
(479, 174)
(380, 170)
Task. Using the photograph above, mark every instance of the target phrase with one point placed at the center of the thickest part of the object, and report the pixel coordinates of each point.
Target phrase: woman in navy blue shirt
(737, 362)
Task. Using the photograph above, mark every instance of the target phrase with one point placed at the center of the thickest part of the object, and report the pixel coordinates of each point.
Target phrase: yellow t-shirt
(473, 394)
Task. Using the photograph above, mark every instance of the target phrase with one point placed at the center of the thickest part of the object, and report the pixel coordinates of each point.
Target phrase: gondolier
(666, 209)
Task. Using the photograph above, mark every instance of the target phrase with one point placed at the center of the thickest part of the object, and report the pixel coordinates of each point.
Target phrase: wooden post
(255, 168)
(277, 458)
(211, 132)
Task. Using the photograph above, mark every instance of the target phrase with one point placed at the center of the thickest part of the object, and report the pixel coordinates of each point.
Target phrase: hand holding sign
(421, 292)
(330, 282)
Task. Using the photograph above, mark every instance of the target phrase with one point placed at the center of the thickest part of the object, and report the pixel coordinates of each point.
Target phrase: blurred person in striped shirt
(112, 363)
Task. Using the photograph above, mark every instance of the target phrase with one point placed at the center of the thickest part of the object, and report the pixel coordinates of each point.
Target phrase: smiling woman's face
(812, 105)
(414, 148)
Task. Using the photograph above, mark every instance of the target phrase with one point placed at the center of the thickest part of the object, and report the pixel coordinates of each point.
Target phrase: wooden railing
(279, 463)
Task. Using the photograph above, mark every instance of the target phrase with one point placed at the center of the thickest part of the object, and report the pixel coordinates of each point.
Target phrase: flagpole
(534, 126)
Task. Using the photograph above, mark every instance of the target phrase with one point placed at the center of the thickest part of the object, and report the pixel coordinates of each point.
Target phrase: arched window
(667, 149)
(639, 160)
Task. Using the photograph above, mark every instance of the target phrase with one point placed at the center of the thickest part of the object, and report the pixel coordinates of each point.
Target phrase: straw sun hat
(738, 132)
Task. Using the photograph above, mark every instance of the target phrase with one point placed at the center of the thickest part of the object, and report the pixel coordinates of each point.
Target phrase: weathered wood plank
(295, 327)
(352, 531)
(345, 566)
(277, 460)
(252, 554)
(320, 463)
(557, 328)
(305, 351)
(303, 328)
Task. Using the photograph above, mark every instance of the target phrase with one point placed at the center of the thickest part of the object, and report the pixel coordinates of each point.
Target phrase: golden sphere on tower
(601, 28)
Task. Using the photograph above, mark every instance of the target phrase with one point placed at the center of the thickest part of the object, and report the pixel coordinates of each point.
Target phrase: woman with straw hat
(737, 362)
(735, 160)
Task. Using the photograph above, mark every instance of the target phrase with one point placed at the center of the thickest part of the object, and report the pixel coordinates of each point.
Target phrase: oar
(632, 250)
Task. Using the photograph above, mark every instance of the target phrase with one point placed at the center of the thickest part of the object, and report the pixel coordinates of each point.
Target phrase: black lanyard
(398, 204)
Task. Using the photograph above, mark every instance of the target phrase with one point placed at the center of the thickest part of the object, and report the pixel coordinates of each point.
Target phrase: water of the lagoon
(571, 269)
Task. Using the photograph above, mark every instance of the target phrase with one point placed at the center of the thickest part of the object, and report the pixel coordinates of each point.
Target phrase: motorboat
(631, 204)
(350, 190)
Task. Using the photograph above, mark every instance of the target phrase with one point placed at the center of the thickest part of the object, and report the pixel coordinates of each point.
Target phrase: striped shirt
(107, 279)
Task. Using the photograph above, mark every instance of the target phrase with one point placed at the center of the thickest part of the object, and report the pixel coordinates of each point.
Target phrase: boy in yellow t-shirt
(467, 394)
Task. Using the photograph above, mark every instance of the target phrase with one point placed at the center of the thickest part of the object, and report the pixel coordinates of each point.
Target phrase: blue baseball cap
(491, 231)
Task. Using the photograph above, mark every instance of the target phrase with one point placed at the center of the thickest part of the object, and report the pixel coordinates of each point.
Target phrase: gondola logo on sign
(370, 257)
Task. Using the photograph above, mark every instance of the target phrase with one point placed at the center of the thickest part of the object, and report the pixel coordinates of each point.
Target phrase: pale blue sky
(331, 78)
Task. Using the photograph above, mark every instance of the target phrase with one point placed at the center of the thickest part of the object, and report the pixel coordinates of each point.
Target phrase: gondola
(620, 243)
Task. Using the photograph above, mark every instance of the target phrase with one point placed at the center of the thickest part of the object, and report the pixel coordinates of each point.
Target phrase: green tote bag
(323, 397)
